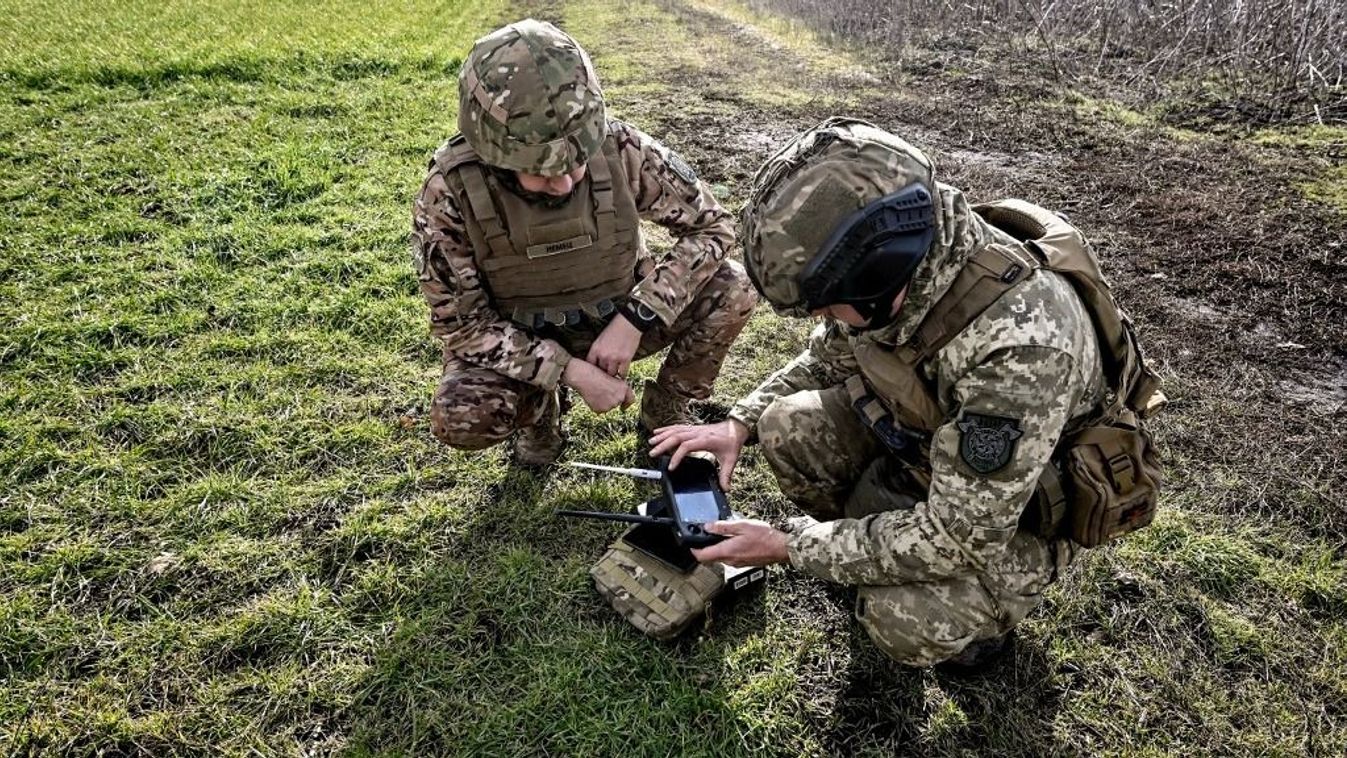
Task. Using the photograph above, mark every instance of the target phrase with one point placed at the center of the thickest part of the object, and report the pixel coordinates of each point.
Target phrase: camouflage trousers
(476, 407)
(833, 466)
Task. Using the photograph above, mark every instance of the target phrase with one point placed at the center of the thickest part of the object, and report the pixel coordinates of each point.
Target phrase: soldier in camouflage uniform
(927, 526)
(527, 240)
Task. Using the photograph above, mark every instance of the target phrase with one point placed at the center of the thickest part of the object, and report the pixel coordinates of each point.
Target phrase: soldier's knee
(742, 295)
(465, 426)
(911, 648)
(904, 633)
(728, 297)
(778, 427)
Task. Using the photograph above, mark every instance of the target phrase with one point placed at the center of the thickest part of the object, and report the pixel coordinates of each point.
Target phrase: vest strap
(601, 187)
(864, 401)
(484, 210)
(877, 418)
(856, 388)
(983, 280)
(454, 154)
(1046, 509)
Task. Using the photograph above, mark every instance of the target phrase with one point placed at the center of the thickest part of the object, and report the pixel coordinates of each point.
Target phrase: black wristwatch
(640, 315)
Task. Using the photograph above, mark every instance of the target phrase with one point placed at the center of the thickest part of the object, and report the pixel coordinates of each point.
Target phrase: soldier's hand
(601, 392)
(615, 347)
(751, 543)
(724, 440)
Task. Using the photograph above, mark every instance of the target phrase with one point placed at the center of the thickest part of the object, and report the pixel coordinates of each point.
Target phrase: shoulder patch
(987, 443)
(679, 166)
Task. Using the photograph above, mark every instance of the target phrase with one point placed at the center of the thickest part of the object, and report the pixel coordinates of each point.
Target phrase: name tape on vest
(544, 249)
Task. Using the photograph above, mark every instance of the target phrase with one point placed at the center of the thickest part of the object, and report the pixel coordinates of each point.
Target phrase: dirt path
(1238, 288)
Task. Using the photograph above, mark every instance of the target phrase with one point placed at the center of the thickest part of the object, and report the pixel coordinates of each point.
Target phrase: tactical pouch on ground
(1113, 477)
(652, 595)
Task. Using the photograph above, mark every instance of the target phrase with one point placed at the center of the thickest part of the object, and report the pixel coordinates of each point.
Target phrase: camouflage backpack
(1112, 475)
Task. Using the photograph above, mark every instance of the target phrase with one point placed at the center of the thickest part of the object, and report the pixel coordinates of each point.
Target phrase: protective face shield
(842, 215)
(528, 100)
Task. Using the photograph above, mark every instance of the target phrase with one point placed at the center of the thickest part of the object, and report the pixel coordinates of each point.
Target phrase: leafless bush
(1285, 57)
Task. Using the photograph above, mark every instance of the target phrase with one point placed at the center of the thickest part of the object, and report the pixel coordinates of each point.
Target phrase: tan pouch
(1113, 481)
(650, 594)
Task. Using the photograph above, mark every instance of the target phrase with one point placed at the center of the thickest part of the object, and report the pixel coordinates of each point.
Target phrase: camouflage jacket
(666, 192)
(1032, 357)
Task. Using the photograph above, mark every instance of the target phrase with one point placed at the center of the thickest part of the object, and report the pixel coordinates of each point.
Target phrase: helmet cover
(806, 200)
(529, 101)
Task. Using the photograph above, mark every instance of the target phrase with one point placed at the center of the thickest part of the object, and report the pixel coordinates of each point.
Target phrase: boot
(660, 407)
(979, 655)
(541, 444)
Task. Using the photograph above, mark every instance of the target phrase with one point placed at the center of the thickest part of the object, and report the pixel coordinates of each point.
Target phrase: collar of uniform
(961, 233)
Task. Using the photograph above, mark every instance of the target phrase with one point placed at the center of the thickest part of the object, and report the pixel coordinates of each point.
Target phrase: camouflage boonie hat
(810, 186)
(528, 100)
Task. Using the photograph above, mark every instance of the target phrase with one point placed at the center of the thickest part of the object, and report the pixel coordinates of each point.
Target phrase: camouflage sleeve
(826, 361)
(461, 313)
(985, 463)
(668, 193)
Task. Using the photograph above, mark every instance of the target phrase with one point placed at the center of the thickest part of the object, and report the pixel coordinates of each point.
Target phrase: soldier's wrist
(639, 315)
(792, 542)
(739, 416)
(739, 429)
(563, 362)
(794, 530)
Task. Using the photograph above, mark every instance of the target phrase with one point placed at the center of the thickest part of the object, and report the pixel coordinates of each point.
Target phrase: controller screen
(698, 506)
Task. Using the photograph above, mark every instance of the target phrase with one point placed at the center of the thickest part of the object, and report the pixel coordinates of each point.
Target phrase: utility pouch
(652, 595)
(1113, 480)
(899, 440)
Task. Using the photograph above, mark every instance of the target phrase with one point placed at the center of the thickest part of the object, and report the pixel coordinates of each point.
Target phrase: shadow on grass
(1010, 707)
(885, 708)
(504, 648)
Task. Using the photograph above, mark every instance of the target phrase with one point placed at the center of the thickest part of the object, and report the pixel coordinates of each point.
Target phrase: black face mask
(871, 256)
(510, 181)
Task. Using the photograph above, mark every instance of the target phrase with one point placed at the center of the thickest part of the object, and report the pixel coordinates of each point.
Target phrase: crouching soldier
(966, 416)
(528, 245)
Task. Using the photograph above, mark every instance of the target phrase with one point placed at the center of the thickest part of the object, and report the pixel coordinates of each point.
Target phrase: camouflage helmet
(528, 100)
(816, 182)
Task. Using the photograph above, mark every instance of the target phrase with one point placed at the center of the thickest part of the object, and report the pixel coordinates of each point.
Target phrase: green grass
(225, 527)
(1329, 185)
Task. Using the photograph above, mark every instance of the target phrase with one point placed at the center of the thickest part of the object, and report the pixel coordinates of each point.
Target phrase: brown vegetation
(1245, 60)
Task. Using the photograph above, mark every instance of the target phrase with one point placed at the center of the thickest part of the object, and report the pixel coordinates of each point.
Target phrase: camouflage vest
(1110, 435)
(548, 265)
